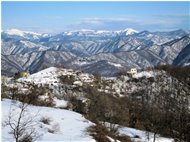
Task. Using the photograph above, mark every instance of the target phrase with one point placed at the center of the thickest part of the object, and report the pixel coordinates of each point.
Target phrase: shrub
(45, 120)
(4, 91)
(51, 131)
(100, 133)
(67, 79)
(26, 138)
(78, 105)
(32, 97)
(55, 128)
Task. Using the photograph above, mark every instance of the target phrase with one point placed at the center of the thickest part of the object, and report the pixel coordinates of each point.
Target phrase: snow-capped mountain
(20, 33)
(15, 33)
(88, 32)
(130, 31)
(104, 52)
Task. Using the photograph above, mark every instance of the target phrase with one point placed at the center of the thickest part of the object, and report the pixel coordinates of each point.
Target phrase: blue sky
(64, 16)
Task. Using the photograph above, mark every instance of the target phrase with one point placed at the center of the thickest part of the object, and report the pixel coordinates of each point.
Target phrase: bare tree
(22, 124)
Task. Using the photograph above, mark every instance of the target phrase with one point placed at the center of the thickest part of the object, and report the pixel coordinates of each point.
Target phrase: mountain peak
(130, 31)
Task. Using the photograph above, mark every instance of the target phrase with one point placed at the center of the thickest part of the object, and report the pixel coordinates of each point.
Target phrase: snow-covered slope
(70, 126)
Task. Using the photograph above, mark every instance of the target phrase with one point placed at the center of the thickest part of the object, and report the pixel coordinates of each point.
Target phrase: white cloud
(173, 15)
(97, 23)
(152, 23)
(103, 20)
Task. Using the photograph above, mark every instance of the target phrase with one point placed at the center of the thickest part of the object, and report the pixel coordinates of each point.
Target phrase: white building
(132, 71)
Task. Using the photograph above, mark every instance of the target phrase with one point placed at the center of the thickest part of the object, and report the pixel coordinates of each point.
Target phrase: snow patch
(60, 103)
(141, 136)
(146, 74)
(116, 65)
(187, 64)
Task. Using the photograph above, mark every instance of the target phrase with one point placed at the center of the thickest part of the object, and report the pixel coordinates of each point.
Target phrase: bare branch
(21, 124)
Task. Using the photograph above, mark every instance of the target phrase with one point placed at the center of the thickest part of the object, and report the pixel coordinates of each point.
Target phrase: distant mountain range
(103, 52)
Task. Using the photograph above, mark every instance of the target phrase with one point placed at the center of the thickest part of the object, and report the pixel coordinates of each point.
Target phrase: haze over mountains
(103, 52)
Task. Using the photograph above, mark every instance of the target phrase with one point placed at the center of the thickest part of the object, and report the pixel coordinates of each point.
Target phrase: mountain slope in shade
(183, 58)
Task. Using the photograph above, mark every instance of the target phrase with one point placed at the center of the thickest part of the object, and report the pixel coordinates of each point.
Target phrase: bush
(4, 91)
(100, 133)
(51, 131)
(32, 97)
(67, 79)
(26, 138)
(45, 120)
(78, 105)
(55, 128)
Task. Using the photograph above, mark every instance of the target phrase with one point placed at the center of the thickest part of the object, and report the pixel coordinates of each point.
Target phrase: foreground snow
(71, 126)
(142, 135)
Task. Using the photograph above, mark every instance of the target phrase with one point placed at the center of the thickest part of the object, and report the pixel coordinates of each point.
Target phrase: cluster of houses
(50, 81)
(132, 71)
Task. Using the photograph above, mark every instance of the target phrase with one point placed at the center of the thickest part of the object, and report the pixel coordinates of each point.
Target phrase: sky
(53, 17)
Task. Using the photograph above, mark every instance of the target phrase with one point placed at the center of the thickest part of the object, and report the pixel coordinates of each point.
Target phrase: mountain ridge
(83, 49)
